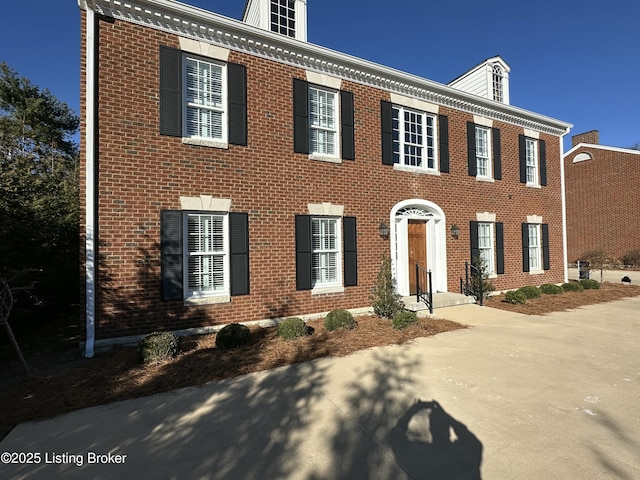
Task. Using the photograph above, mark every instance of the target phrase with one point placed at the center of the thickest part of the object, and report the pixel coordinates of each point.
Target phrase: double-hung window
(202, 100)
(325, 254)
(534, 247)
(206, 254)
(414, 138)
(483, 157)
(487, 243)
(323, 122)
(486, 246)
(204, 103)
(531, 161)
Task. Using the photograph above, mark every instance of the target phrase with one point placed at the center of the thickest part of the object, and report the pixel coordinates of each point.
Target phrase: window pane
(413, 138)
(532, 161)
(205, 246)
(482, 152)
(322, 119)
(324, 244)
(204, 99)
(534, 247)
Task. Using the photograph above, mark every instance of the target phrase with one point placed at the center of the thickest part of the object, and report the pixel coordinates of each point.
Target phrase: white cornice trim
(602, 147)
(191, 22)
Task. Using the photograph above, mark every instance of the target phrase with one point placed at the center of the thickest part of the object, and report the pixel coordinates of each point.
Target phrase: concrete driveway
(512, 397)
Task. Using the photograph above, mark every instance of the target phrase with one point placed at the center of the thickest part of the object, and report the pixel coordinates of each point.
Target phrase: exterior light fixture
(455, 231)
(383, 230)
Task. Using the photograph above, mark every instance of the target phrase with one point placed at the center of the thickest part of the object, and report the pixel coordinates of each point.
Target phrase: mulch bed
(69, 382)
(568, 300)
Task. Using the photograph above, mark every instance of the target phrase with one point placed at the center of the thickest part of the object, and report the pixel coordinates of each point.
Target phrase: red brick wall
(592, 137)
(603, 210)
(141, 172)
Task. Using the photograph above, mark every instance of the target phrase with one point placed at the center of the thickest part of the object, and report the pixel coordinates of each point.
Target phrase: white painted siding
(474, 82)
(252, 16)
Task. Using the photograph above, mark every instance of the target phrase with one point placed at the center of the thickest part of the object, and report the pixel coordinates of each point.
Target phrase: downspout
(90, 267)
(564, 208)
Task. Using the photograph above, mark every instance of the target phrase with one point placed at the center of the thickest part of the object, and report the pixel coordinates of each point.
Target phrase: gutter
(90, 194)
(565, 258)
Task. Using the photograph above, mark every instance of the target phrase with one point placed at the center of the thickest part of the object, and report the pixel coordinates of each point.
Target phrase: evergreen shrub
(157, 346)
(339, 319)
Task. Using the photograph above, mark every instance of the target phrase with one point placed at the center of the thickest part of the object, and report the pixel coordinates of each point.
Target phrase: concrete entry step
(440, 300)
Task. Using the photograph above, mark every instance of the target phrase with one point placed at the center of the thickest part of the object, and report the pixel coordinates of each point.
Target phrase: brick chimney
(592, 137)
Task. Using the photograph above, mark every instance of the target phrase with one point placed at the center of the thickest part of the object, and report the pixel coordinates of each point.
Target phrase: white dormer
(490, 80)
(288, 17)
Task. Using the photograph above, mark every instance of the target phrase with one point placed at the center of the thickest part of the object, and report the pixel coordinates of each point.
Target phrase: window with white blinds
(325, 246)
(323, 122)
(534, 247)
(486, 246)
(205, 92)
(483, 148)
(206, 254)
(532, 161)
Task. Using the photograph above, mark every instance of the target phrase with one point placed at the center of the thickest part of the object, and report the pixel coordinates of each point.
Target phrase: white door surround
(433, 215)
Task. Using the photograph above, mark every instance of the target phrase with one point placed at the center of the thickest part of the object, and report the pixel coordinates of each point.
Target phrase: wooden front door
(417, 231)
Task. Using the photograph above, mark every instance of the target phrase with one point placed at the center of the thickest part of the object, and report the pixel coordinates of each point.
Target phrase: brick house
(603, 211)
(234, 172)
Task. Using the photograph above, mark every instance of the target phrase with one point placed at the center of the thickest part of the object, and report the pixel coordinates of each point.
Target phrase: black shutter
(386, 121)
(171, 254)
(347, 122)
(471, 149)
(542, 146)
(546, 260)
(522, 147)
(303, 252)
(170, 91)
(499, 247)
(239, 250)
(350, 244)
(497, 154)
(525, 247)
(300, 116)
(237, 91)
(443, 134)
(475, 243)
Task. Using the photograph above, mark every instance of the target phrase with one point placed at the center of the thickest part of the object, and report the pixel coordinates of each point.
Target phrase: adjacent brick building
(235, 172)
(603, 209)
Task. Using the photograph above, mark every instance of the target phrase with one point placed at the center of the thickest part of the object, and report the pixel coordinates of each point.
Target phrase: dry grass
(64, 381)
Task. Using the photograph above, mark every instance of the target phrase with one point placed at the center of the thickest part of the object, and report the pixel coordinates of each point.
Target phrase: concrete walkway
(511, 397)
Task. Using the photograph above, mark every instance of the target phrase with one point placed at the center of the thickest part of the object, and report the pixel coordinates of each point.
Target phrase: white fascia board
(602, 147)
(184, 20)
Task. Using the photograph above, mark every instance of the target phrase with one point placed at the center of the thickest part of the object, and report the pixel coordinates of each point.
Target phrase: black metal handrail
(424, 290)
(470, 270)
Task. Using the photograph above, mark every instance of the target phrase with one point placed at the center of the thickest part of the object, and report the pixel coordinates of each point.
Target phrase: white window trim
(489, 176)
(536, 158)
(205, 141)
(337, 156)
(337, 286)
(491, 264)
(539, 269)
(401, 166)
(200, 298)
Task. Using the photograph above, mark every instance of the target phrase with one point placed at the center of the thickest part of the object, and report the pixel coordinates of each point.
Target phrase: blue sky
(572, 60)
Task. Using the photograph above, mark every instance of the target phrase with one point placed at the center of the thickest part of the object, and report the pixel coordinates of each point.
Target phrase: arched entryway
(418, 235)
